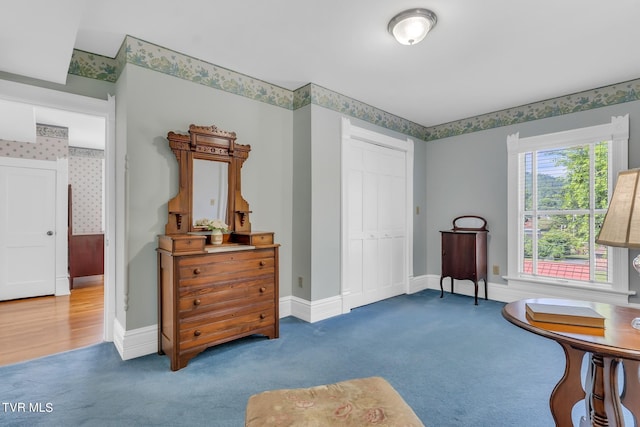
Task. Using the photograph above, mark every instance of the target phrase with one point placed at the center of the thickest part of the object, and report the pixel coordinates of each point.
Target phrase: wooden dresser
(208, 298)
(212, 293)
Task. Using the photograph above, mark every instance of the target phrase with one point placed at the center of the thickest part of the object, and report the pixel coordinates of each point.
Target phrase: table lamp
(621, 226)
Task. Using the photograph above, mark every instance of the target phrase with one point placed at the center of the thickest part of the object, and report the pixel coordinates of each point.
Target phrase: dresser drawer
(183, 243)
(255, 238)
(224, 265)
(228, 278)
(220, 326)
(196, 300)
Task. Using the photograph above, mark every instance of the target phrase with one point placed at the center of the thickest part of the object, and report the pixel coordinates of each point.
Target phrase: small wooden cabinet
(464, 252)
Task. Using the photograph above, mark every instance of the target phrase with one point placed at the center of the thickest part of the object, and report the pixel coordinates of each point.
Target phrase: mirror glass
(210, 190)
(469, 222)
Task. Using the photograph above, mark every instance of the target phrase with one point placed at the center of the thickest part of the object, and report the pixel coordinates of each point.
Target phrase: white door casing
(114, 212)
(377, 223)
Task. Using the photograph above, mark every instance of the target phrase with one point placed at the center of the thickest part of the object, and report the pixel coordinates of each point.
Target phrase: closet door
(376, 215)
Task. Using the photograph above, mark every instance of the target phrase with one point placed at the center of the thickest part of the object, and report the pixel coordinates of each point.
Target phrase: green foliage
(547, 191)
(557, 244)
(553, 244)
(564, 235)
(576, 185)
(528, 247)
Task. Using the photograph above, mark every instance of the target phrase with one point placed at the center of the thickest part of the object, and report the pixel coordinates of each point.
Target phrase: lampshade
(411, 26)
(621, 226)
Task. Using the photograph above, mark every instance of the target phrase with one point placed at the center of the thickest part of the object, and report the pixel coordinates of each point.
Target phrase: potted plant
(217, 228)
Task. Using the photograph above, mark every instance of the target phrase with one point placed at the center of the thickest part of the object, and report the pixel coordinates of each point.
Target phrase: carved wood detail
(207, 143)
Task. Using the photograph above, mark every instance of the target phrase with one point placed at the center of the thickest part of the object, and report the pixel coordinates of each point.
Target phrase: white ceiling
(481, 57)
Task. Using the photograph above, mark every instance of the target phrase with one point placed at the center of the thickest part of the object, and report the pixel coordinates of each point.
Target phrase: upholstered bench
(358, 402)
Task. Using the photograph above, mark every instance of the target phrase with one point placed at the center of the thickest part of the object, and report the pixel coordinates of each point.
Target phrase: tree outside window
(565, 196)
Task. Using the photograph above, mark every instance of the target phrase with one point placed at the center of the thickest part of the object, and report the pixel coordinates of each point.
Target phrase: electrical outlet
(496, 270)
(417, 210)
(299, 281)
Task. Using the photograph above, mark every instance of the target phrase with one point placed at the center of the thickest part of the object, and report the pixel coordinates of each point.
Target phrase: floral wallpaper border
(582, 101)
(157, 58)
(144, 54)
(93, 66)
(86, 152)
(354, 108)
(51, 131)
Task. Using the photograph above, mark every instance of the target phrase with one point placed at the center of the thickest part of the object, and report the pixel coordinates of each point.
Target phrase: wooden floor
(36, 327)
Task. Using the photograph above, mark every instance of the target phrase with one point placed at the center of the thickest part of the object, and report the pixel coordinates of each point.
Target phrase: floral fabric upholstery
(359, 402)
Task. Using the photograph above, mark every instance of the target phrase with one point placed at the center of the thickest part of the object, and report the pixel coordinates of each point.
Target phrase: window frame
(617, 289)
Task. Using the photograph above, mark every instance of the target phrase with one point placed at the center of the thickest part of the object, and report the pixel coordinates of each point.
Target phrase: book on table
(565, 314)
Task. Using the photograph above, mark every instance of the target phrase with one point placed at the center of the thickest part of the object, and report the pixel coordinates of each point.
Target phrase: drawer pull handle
(262, 315)
(196, 271)
(262, 263)
(196, 302)
(263, 289)
(197, 333)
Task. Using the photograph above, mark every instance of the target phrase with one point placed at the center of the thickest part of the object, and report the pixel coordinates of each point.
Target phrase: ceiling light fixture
(411, 26)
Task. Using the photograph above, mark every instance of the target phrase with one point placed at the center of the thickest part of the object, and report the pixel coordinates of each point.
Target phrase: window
(559, 188)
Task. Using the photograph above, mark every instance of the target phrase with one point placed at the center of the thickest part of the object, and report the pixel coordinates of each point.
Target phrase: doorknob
(49, 233)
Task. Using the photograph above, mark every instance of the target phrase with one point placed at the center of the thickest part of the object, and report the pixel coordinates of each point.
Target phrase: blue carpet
(454, 363)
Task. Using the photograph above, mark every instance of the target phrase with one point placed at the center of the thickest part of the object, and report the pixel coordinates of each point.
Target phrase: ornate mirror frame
(213, 144)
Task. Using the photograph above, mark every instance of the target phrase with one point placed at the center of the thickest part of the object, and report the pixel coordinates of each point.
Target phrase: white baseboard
(516, 291)
(142, 341)
(461, 287)
(314, 311)
(285, 306)
(136, 342)
(495, 291)
(417, 284)
(310, 311)
(62, 286)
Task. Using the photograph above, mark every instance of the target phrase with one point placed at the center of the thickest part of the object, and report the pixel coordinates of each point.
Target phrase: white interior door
(377, 232)
(27, 232)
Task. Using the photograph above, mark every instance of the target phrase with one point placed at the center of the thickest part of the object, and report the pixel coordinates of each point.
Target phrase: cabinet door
(458, 255)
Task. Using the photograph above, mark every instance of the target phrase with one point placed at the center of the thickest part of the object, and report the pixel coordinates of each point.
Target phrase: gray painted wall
(420, 203)
(301, 226)
(326, 136)
(157, 103)
(292, 179)
(468, 175)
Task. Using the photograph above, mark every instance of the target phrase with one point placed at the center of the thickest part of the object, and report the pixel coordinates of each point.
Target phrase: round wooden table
(617, 344)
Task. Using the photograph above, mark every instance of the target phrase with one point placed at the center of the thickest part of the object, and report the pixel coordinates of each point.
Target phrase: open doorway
(51, 103)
